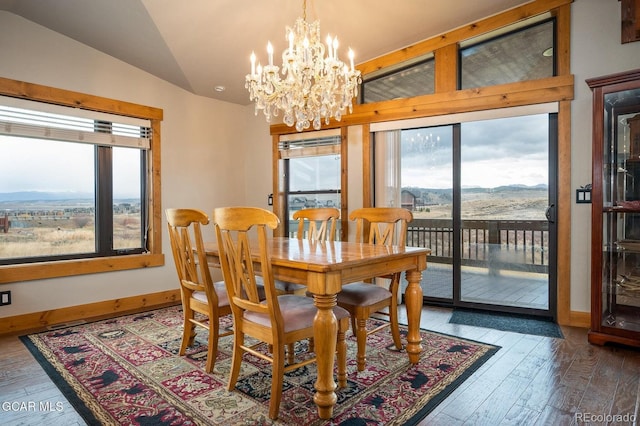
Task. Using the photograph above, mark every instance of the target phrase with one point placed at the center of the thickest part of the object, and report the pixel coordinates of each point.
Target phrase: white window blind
(73, 125)
(310, 144)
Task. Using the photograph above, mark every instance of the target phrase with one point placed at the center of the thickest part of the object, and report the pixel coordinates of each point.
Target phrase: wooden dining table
(324, 266)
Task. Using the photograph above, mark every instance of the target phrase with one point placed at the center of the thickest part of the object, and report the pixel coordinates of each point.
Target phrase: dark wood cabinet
(615, 237)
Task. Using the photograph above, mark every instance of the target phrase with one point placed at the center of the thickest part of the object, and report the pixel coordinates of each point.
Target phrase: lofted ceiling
(201, 44)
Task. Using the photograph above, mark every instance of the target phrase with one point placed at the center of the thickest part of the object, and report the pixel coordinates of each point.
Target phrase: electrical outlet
(5, 298)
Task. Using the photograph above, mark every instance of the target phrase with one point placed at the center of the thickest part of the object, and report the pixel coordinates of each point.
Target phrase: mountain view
(504, 202)
(43, 196)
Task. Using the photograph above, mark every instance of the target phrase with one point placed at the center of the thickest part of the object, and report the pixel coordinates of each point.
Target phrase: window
(513, 53)
(65, 193)
(76, 185)
(404, 80)
(312, 170)
(520, 55)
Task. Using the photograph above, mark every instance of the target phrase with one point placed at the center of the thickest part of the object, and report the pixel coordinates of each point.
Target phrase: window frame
(60, 268)
(305, 152)
(280, 178)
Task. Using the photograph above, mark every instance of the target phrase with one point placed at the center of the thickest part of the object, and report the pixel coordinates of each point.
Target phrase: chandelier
(311, 86)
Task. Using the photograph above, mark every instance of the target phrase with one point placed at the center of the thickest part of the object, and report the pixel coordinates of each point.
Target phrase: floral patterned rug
(127, 370)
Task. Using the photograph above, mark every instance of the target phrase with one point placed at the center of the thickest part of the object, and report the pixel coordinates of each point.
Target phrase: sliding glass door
(504, 199)
(482, 193)
(427, 190)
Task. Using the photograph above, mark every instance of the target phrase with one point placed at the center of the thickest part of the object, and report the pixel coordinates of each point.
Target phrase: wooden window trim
(44, 270)
(460, 34)
(278, 179)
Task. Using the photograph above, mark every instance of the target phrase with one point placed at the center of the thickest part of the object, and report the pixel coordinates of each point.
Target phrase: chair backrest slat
(381, 225)
(185, 236)
(233, 226)
(321, 223)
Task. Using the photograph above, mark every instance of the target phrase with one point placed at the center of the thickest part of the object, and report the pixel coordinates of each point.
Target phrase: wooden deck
(510, 288)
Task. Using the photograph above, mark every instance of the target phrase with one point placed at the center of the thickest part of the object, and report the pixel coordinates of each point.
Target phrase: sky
(55, 166)
(495, 152)
(507, 151)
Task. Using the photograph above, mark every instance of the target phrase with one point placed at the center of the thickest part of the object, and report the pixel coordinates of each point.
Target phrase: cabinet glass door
(620, 306)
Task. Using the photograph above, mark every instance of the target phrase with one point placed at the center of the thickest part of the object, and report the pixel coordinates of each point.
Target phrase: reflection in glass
(408, 81)
(521, 55)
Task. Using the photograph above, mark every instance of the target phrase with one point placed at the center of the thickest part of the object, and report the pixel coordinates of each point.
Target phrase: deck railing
(515, 245)
(518, 245)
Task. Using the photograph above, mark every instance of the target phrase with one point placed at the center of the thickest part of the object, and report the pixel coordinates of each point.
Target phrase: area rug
(506, 322)
(126, 371)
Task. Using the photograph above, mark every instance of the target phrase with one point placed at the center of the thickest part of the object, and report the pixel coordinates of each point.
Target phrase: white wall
(595, 51)
(202, 141)
(258, 163)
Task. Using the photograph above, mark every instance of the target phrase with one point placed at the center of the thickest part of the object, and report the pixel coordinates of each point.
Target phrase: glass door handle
(550, 213)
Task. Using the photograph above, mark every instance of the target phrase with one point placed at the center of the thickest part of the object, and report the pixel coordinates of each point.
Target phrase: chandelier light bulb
(311, 86)
(253, 63)
(270, 52)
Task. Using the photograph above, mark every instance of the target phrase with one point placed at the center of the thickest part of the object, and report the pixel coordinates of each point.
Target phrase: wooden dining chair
(313, 224)
(320, 223)
(277, 321)
(198, 292)
(376, 225)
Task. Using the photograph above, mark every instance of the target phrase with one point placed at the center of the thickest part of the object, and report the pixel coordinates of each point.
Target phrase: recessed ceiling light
(548, 52)
(219, 88)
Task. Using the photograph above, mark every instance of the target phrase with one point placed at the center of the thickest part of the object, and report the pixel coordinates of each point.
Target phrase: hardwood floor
(532, 380)
(24, 386)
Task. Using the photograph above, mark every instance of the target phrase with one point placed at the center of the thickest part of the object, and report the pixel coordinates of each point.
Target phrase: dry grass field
(530, 205)
(49, 237)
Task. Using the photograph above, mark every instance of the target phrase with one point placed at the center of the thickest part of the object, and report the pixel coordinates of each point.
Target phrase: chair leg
(188, 335)
(212, 350)
(354, 325)
(290, 353)
(341, 348)
(236, 359)
(277, 376)
(312, 345)
(395, 328)
(361, 337)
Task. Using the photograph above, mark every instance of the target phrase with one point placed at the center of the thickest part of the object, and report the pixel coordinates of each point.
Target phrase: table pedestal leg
(325, 330)
(413, 297)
